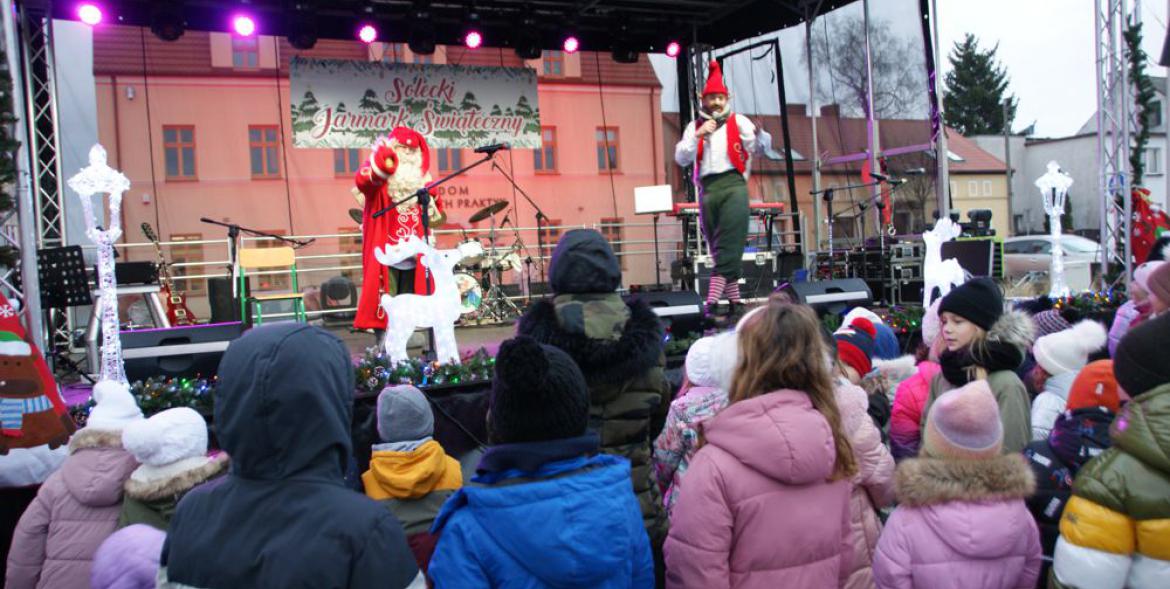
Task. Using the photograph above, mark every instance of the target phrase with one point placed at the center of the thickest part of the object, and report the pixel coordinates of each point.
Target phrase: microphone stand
(539, 217)
(423, 196)
(234, 246)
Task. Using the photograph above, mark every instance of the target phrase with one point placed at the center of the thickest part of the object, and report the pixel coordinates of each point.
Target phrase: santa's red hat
(408, 137)
(714, 80)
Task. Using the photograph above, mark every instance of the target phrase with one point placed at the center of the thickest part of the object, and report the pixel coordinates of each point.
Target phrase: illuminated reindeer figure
(937, 272)
(438, 311)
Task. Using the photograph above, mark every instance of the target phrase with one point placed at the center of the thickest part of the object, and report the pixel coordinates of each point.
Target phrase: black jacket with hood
(283, 517)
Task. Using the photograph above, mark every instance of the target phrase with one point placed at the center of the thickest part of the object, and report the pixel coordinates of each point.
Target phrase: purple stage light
(243, 25)
(673, 49)
(368, 34)
(90, 14)
(571, 44)
(473, 39)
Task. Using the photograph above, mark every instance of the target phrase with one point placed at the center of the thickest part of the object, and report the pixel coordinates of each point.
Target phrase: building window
(1155, 114)
(351, 243)
(1154, 161)
(544, 158)
(187, 253)
(550, 234)
(611, 230)
(972, 188)
(346, 162)
(246, 52)
(607, 149)
(987, 188)
(428, 59)
(265, 151)
(450, 159)
(179, 151)
(554, 63)
(280, 279)
(954, 189)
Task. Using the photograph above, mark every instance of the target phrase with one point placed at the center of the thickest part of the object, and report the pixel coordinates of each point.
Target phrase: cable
(283, 151)
(605, 134)
(150, 136)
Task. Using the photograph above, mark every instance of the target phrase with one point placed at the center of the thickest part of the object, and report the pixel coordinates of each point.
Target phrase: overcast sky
(1048, 49)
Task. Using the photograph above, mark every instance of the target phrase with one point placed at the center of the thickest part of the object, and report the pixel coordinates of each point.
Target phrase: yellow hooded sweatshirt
(410, 475)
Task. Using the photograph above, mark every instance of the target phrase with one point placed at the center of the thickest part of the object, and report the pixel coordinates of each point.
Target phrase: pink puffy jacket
(909, 402)
(756, 508)
(873, 485)
(74, 511)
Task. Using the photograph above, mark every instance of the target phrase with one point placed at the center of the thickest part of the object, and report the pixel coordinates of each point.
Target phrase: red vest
(735, 150)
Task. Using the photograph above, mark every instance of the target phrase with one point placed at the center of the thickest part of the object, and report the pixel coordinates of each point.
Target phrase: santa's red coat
(382, 231)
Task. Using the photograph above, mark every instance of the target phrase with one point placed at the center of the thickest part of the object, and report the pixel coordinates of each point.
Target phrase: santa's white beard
(408, 177)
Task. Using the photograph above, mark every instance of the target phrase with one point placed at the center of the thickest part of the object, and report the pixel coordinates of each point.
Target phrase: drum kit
(483, 299)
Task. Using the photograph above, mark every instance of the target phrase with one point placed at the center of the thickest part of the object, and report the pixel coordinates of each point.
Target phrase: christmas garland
(1098, 305)
(155, 395)
(374, 371)
(8, 147)
(904, 320)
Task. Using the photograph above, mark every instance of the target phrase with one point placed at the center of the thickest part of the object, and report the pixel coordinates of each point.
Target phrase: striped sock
(715, 289)
(732, 292)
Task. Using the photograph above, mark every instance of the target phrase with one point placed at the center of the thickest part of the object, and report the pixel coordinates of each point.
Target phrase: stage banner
(349, 104)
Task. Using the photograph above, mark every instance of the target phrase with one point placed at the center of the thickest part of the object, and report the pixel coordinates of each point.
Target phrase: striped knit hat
(855, 344)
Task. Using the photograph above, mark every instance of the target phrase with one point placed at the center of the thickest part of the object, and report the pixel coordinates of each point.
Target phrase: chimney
(831, 110)
(797, 110)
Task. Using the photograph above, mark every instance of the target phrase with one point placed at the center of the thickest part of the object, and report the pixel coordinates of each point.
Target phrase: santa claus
(396, 169)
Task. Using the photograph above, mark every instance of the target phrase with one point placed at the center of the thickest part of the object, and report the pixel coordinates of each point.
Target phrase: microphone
(492, 148)
(915, 172)
(887, 179)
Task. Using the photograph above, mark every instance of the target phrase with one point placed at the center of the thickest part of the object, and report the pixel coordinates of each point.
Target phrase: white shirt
(715, 157)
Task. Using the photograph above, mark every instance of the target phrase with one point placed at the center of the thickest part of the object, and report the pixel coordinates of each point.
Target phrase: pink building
(205, 133)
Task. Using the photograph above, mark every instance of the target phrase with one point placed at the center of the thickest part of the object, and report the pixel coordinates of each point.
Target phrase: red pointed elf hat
(714, 80)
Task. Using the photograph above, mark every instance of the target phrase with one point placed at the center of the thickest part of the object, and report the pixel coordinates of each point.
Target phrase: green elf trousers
(725, 216)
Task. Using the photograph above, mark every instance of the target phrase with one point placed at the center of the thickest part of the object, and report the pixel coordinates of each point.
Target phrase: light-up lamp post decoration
(1054, 186)
(97, 179)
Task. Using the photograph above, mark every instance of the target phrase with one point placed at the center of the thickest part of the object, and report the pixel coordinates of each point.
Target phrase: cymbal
(488, 211)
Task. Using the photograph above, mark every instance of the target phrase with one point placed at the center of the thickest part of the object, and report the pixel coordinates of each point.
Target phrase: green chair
(269, 259)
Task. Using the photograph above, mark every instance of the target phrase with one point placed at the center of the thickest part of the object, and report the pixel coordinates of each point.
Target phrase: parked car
(1033, 253)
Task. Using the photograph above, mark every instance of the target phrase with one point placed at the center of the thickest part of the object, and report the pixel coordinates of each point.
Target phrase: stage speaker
(224, 308)
(178, 351)
(680, 311)
(762, 272)
(832, 296)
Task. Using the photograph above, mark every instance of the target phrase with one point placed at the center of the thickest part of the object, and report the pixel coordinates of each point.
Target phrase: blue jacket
(572, 522)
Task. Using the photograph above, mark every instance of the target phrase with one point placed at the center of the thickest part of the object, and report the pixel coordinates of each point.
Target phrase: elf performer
(397, 168)
(719, 143)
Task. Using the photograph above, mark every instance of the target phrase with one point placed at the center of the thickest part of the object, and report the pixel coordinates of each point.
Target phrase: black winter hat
(538, 394)
(1142, 360)
(583, 263)
(979, 301)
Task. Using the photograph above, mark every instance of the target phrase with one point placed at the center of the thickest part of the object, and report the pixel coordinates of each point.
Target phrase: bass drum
(470, 293)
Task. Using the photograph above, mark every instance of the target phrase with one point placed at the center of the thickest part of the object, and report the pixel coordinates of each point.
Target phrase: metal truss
(1115, 127)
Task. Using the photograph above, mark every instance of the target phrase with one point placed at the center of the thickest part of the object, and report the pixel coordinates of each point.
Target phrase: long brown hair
(782, 347)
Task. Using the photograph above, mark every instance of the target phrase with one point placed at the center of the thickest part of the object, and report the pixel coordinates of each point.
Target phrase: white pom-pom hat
(1068, 351)
(115, 409)
(172, 437)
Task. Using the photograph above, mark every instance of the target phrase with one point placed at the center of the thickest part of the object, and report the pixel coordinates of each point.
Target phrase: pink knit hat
(1158, 284)
(964, 423)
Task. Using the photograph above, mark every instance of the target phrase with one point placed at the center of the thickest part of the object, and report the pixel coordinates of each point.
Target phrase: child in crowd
(855, 343)
(128, 559)
(911, 394)
(709, 366)
(1113, 530)
(1080, 433)
(1159, 287)
(961, 522)
(765, 502)
(1136, 309)
(171, 446)
(547, 510)
(1059, 357)
(77, 506)
(409, 471)
(1046, 321)
(985, 343)
(283, 517)
(619, 347)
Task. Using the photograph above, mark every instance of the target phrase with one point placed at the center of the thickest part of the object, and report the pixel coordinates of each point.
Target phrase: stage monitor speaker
(976, 256)
(832, 296)
(134, 273)
(177, 351)
(680, 311)
(224, 308)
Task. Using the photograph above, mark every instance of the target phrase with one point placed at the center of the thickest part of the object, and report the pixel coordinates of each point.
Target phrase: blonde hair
(782, 347)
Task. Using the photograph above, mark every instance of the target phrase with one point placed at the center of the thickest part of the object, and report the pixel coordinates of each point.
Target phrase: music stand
(654, 200)
(64, 282)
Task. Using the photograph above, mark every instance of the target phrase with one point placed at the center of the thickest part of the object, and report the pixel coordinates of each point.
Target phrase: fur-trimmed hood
(96, 467)
(931, 481)
(178, 483)
(602, 362)
(95, 438)
(1014, 328)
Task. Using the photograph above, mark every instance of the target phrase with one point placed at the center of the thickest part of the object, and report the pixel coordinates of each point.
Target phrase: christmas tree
(8, 147)
(976, 89)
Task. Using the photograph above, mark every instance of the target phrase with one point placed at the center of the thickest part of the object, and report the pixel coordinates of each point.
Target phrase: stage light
(422, 29)
(89, 14)
(527, 40)
(473, 39)
(673, 49)
(368, 34)
(166, 21)
(571, 44)
(243, 25)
